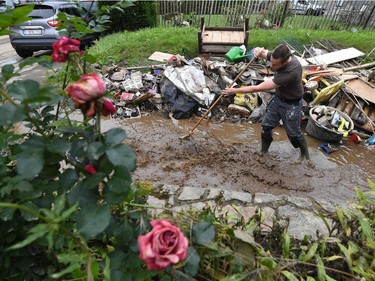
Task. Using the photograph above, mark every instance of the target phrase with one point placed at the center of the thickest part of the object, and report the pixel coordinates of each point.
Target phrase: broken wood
(362, 66)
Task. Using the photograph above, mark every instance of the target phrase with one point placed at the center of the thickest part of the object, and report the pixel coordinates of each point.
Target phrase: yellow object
(341, 127)
(249, 100)
(327, 92)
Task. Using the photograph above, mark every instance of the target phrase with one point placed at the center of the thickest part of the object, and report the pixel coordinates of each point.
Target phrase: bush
(70, 210)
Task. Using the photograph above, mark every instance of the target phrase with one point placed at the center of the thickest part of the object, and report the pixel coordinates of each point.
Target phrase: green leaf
(11, 114)
(310, 254)
(122, 155)
(310, 278)
(93, 220)
(95, 150)
(367, 230)
(68, 179)
(16, 183)
(114, 136)
(30, 163)
(268, 262)
(121, 181)
(286, 244)
(59, 146)
(35, 233)
(203, 233)
(192, 262)
(24, 89)
(347, 254)
(289, 275)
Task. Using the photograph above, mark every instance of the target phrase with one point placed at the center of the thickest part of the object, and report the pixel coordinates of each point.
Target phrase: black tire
(24, 53)
(309, 12)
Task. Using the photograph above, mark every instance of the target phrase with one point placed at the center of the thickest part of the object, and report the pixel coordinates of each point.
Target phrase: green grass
(134, 48)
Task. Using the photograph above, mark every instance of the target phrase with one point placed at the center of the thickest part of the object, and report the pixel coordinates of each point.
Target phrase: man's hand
(258, 52)
(229, 91)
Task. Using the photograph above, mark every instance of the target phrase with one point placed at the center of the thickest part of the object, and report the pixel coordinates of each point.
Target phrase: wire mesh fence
(309, 14)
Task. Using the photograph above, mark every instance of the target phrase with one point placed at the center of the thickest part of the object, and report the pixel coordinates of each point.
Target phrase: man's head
(280, 57)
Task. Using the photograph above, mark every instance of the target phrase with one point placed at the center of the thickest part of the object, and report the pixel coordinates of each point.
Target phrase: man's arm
(262, 87)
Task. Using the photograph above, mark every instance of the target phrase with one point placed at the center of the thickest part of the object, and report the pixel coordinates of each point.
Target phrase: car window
(41, 12)
(70, 10)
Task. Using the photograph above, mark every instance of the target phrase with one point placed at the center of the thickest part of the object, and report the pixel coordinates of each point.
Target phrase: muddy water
(224, 155)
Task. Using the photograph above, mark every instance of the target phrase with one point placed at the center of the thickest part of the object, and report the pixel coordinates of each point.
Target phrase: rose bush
(162, 246)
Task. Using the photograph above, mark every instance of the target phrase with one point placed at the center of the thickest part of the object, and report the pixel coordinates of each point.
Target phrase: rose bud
(89, 168)
(89, 87)
(164, 245)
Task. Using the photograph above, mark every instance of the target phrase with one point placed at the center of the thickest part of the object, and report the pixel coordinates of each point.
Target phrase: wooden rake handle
(221, 95)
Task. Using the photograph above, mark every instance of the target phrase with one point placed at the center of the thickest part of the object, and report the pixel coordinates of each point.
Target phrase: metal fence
(309, 14)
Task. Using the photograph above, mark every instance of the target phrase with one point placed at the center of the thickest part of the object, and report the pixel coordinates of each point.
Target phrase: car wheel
(309, 12)
(24, 53)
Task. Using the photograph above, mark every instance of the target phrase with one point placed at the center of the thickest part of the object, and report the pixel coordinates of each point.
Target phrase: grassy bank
(134, 48)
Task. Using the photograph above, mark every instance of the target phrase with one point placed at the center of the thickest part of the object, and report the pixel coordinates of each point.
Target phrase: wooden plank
(159, 56)
(223, 37)
(361, 89)
(333, 57)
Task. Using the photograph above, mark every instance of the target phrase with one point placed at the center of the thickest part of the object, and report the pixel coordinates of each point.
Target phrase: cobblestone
(296, 213)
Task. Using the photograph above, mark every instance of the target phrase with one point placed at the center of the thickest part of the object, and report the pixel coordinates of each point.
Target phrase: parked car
(305, 7)
(41, 30)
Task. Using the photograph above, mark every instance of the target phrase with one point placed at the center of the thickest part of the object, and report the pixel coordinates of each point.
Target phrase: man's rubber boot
(265, 147)
(304, 150)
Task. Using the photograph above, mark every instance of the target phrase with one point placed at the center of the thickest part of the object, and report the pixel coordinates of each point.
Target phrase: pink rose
(63, 47)
(108, 107)
(165, 244)
(89, 168)
(89, 87)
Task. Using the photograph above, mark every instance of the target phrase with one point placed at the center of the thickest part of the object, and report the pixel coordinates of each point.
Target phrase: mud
(223, 155)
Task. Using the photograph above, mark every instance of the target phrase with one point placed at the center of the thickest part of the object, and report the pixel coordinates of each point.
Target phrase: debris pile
(180, 88)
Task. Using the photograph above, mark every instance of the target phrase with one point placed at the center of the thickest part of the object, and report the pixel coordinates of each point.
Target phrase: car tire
(309, 12)
(24, 53)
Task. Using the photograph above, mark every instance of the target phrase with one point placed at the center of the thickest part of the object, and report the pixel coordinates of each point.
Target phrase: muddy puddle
(222, 155)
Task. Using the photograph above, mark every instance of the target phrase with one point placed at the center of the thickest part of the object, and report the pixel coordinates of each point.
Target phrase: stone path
(298, 214)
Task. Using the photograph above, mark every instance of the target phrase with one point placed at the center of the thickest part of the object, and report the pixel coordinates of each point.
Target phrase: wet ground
(223, 155)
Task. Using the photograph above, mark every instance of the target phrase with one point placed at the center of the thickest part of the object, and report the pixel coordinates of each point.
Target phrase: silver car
(41, 30)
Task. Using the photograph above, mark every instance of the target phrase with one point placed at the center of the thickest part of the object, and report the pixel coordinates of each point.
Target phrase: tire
(24, 53)
(309, 12)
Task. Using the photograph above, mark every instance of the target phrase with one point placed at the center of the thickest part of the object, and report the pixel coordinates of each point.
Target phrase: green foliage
(127, 15)
(60, 222)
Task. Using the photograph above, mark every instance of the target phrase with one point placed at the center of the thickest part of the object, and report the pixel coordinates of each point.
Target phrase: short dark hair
(281, 52)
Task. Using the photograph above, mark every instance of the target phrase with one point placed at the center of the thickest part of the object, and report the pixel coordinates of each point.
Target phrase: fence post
(369, 16)
(285, 10)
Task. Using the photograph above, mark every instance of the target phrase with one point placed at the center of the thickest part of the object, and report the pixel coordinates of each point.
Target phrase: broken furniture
(219, 40)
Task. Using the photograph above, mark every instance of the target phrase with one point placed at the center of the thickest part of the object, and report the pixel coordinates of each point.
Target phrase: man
(286, 104)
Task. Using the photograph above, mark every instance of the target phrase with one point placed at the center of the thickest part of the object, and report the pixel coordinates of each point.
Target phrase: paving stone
(302, 222)
(170, 189)
(213, 193)
(153, 201)
(304, 203)
(191, 193)
(244, 197)
(261, 198)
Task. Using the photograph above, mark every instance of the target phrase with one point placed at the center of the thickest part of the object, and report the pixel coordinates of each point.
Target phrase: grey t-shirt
(289, 78)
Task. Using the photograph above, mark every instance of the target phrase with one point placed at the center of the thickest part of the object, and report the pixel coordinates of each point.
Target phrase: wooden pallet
(219, 40)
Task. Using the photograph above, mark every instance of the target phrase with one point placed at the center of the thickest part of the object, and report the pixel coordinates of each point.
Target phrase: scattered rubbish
(371, 140)
(339, 100)
(328, 148)
(355, 138)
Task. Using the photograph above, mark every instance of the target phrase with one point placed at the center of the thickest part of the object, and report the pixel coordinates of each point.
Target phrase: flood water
(223, 155)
